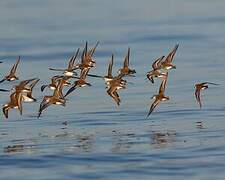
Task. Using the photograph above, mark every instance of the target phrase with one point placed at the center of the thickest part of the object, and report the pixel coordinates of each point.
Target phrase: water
(101, 141)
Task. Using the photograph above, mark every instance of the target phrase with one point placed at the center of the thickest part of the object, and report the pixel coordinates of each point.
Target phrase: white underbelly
(68, 73)
(27, 99)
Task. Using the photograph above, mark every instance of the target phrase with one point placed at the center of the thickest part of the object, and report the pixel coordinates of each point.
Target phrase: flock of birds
(23, 91)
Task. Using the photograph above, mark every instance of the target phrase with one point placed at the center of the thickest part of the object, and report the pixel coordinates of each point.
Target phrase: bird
(22, 86)
(81, 82)
(114, 85)
(156, 72)
(55, 99)
(15, 102)
(167, 63)
(108, 77)
(87, 60)
(63, 82)
(160, 96)
(16, 96)
(125, 70)
(69, 71)
(54, 82)
(12, 74)
(27, 97)
(198, 88)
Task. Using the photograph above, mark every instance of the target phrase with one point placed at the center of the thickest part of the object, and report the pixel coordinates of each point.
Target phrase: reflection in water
(162, 139)
(122, 142)
(14, 148)
(84, 143)
(18, 148)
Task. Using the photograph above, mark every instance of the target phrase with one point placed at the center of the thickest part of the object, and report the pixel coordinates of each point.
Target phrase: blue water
(100, 140)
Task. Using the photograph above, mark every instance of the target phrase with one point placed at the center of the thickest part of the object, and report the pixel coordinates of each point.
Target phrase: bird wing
(2, 80)
(54, 79)
(13, 70)
(92, 51)
(153, 106)
(35, 81)
(210, 83)
(43, 87)
(43, 106)
(25, 82)
(156, 65)
(5, 110)
(55, 69)
(4, 90)
(71, 89)
(127, 59)
(72, 60)
(163, 84)
(19, 102)
(84, 73)
(150, 77)
(116, 97)
(111, 92)
(197, 96)
(110, 67)
(170, 56)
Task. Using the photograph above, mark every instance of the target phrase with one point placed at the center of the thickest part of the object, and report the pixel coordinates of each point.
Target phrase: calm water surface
(100, 140)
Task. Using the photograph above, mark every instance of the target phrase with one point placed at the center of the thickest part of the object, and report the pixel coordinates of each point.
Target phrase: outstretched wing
(153, 106)
(111, 92)
(110, 67)
(84, 54)
(4, 90)
(25, 82)
(5, 110)
(43, 87)
(197, 96)
(211, 83)
(2, 80)
(71, 89)
(19, 102)
(150, 77)
(163, 84)
(43, 106)
(13, 70)
(156, 65)
(170, 56)
(35, 81)
(55, 69)
(92, 51)
(127, 59)
(84, 73)
(116, 97)
(72, 60)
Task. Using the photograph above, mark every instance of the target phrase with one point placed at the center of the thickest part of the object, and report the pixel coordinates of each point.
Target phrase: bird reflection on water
(122, 142)
(162, 139)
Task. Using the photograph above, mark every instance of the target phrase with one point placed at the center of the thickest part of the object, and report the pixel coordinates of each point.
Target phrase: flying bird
(108, 77)
(12, 74)
(69, 71)
(81, 82)
(56, 99)
(28, 97)
(198, 88)
(15, 102)
(87, 60)
(167, 63)
(125, 70)
(156, 72)
(160, 96)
